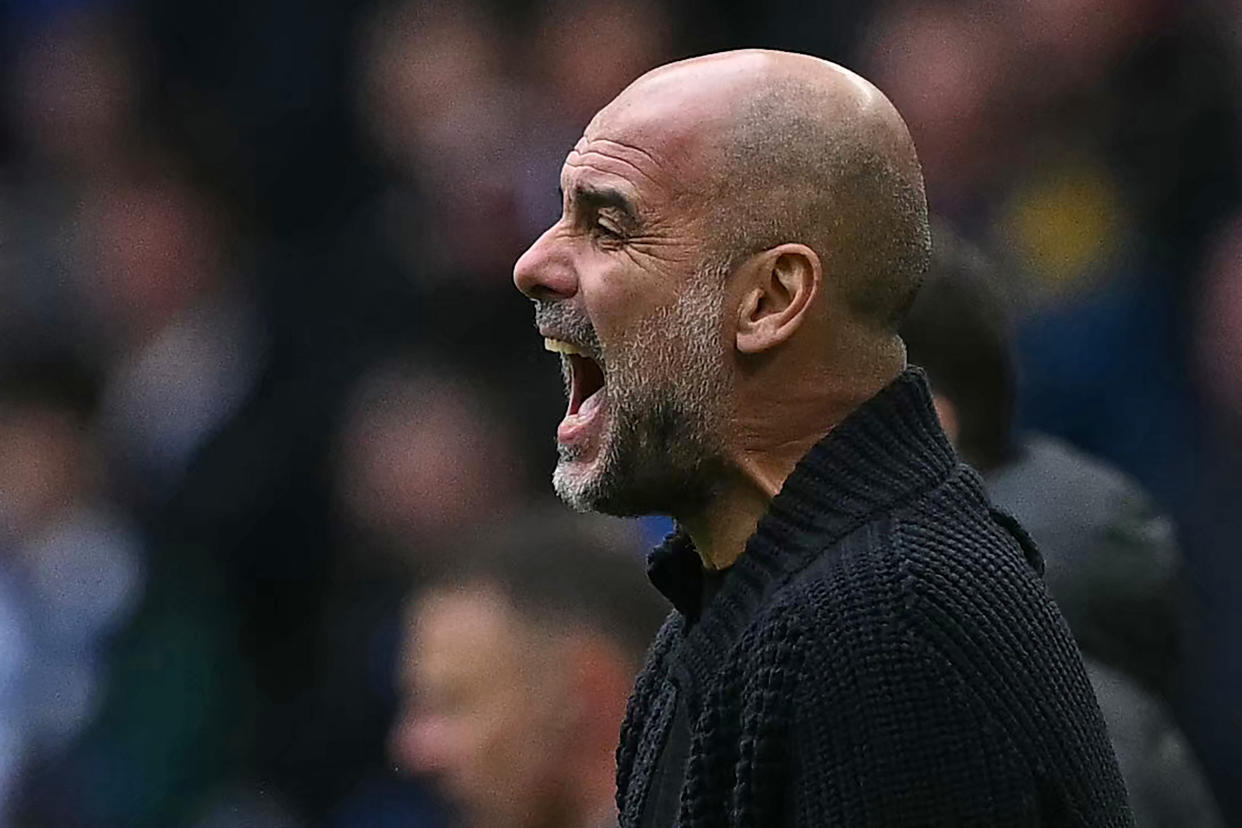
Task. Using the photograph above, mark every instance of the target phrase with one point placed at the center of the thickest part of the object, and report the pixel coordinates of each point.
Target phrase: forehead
(463, 631)
(647, 144)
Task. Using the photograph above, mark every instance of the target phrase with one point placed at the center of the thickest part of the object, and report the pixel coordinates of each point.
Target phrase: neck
(720, 530)
(775, 432)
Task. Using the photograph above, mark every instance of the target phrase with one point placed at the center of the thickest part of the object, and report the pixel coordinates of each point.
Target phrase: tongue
(585, 400)
(587, 407)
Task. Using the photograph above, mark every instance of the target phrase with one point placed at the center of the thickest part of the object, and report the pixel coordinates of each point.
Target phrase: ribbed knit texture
(883, 654)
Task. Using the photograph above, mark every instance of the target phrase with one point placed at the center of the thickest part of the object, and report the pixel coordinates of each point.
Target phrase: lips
(586, 391)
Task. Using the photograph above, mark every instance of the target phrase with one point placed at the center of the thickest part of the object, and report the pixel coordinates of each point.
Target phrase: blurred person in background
(518, 660)
(421, 456)
(423, 453)
(1217, 335)
(180, 342)
(72, 97)
(436, 102)
(73, 562)
(445, 104)
(1050, 129)
(1111, 558)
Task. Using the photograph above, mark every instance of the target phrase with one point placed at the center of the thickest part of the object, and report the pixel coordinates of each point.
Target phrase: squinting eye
(605, 230)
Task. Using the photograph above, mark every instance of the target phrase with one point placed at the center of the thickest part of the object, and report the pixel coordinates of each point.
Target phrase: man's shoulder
(944, 552)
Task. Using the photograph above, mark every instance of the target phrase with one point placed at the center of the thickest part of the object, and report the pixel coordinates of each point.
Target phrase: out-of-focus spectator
(72, 99)
(1112, 562)
(423, 454)
(1162, 776)
(585, 53)
(518, 663)
(1218, 326)
(181, 343)
(1048, 127)
(437, 103)
(71, 562)
(73, 92)
(421, 457)
(943, 65)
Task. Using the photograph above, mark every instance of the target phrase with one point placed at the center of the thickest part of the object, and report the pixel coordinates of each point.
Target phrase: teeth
(561, 347)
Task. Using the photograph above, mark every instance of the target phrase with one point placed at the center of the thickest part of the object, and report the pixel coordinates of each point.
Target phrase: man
(858, 639)
(1112, 562)
(518, 661)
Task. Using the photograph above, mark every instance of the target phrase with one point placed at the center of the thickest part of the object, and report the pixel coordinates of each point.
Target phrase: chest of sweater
(711, 752)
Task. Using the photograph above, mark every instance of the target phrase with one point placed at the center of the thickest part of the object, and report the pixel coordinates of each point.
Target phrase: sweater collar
(887, 450)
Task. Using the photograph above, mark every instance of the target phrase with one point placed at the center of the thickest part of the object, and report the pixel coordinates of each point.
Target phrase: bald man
(858, 638)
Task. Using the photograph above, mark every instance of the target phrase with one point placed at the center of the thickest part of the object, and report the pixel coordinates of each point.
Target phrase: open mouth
(586, 386)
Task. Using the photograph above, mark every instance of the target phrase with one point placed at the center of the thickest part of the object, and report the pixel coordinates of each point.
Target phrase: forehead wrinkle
(584, 161)
(592, 178)
(642, 153)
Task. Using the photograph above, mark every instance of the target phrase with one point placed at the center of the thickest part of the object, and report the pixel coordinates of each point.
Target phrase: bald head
(782, 147)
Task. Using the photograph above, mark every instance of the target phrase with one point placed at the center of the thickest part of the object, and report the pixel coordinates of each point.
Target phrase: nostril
(540, 292)
(545, 283)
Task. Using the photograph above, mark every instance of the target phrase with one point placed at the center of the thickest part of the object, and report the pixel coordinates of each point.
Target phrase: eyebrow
(599, 198)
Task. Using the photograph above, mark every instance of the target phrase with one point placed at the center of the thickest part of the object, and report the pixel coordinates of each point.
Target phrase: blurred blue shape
(388, 802)
(37, 12)
(655, 528)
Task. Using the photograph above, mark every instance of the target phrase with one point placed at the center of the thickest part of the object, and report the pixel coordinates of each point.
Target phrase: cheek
(612, 305)
(620, 293)
(526, 733)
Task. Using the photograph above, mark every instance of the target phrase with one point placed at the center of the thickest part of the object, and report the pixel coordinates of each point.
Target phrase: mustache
(567, 323)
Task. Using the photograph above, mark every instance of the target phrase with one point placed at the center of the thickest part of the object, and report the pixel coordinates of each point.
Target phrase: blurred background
(261, 357)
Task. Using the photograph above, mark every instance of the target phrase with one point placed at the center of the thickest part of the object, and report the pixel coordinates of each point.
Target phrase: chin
(607, 492)
(577, 484)
(584, 482)
(639, 465)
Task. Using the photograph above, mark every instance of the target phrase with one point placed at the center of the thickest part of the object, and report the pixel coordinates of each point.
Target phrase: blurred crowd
(262, 366)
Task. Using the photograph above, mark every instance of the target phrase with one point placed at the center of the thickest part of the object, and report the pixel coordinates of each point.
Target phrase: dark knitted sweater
(883, 653)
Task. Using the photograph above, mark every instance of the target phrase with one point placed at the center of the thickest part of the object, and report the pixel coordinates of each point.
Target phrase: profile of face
(627, 291)
(485, 709)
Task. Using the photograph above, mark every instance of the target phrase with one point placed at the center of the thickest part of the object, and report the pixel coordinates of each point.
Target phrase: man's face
(626, 291)
(483, 709)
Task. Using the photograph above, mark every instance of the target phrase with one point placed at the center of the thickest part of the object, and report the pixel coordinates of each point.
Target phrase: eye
(606, 229)
(603, 228)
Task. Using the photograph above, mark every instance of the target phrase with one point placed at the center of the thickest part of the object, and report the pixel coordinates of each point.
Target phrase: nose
(545, 271)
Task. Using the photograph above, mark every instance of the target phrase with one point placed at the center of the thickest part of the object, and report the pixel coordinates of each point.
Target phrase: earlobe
(782, 288)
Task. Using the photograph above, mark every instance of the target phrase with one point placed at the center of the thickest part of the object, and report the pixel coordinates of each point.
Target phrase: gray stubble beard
(666, 390)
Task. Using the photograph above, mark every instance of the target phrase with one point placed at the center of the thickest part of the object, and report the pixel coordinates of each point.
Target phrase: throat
(722, 527)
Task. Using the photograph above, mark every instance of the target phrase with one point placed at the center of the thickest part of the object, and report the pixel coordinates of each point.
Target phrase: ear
(780, 289)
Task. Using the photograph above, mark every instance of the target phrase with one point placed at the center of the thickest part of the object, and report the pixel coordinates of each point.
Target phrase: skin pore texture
(740, 235)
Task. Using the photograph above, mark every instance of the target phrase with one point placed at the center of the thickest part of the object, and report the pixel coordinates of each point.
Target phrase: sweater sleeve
(885, 735)
(938, 686)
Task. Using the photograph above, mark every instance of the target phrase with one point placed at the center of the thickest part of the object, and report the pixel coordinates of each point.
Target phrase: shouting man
(859, 639)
